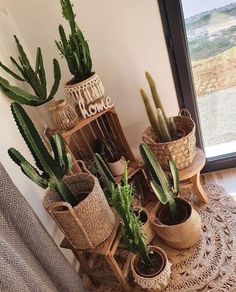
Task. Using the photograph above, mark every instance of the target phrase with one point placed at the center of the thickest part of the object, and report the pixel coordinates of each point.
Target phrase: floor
(225, 178)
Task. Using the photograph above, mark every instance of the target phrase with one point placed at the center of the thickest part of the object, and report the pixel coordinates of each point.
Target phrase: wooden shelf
(83, 123)
(133, 168)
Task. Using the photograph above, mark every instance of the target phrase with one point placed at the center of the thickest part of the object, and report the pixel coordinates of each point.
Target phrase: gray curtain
(29, 258)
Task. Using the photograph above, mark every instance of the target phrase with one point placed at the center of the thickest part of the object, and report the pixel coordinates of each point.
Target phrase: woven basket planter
(91, 221)
(180, 236)
(157, 282)
(181, 151)
(87, 91)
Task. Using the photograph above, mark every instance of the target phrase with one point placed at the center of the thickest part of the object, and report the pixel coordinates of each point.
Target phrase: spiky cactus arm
(57, 79)
(163, 126)
(69, 15)
(172, 128)
(50, 168)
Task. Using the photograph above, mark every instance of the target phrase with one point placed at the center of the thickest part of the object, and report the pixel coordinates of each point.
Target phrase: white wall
(126, 38)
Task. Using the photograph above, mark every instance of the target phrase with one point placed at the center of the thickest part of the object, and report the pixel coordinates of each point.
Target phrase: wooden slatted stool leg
(117, 271)
(198, 189)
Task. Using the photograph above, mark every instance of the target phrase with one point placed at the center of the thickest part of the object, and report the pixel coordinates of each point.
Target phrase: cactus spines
(36, 78)
(164, 128)
(49, 170)
(74, 48)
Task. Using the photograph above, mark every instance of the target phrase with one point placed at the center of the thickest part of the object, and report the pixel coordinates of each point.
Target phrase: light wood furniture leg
(117, 271)
(198, 189)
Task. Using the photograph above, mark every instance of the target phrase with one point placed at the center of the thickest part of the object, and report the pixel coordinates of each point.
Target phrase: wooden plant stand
(190, 176)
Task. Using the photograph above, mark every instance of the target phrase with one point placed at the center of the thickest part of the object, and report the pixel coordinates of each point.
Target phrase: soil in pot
(183, 212)
(142, 215)
(74, 80)
(157, 263)
(180, 134)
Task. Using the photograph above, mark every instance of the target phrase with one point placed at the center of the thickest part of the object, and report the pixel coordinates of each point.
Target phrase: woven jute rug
(211, 264)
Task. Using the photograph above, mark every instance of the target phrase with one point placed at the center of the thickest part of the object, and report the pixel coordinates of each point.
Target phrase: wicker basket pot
(181, 151)
(91, 221)
(64, 114)
(180, 236)
(117, 167)
(87, 91)
(159, 281)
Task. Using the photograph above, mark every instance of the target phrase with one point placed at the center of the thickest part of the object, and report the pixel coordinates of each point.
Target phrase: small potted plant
(112, 155)
(34, 77)
(169, 138)
(150, 266)
(176, 222)
(76, 202)
(108, 181)
(85, 87)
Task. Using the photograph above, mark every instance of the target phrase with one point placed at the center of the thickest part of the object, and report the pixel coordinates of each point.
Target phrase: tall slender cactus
(36, 78)
(74, 48)
(49, 170)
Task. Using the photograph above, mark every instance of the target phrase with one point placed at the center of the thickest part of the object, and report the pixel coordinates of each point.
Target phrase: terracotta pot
(64, 114)
(86, 91)
(181, 235)
(117, 167)
(159, 279)
(147, 224)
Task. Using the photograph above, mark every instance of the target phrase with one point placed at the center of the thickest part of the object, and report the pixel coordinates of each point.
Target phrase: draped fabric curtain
(29, 258)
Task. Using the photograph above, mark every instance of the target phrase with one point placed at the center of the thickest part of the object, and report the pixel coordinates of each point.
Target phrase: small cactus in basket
(50, 169)
(164, 128)
(35, 77)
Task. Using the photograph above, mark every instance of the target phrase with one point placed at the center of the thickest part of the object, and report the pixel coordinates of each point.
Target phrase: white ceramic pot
(157, 282)
(117, 167)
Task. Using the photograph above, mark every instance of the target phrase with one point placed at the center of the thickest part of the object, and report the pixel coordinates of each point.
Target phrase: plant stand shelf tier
(190, 176)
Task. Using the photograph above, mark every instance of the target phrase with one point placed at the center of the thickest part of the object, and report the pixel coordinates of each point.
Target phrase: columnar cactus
(164, 128)
(74, 48)
(34, 77)
(49, 170)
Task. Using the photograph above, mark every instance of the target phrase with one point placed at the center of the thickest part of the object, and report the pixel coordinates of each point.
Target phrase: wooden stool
(190, 176)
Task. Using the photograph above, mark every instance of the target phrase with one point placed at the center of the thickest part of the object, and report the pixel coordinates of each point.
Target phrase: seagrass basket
(181, 151)
(91, 221)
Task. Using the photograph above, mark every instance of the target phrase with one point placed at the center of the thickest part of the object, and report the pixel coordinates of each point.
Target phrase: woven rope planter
(90, 222)
(159, 281)
(181, 151)
(88, 91)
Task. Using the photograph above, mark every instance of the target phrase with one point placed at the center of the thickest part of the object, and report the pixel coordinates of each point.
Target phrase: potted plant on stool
(76, 202)
(149, 265)
(176, 222)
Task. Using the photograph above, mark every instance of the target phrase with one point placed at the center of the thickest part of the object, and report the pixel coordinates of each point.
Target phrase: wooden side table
(190, 176)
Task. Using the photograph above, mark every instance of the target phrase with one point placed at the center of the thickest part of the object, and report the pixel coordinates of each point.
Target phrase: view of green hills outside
(212, 44)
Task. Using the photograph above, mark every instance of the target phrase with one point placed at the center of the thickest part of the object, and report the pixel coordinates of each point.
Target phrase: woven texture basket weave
(91, 221)
(181, 151)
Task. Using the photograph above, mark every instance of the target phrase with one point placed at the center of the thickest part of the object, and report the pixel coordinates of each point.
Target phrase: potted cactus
(176, 222)
(36, 78)
(85, 87)
(76, 202)
(112, 155)
(170, 138)
(150, 266)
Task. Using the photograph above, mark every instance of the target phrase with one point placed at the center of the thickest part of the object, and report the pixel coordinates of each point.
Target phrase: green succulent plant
(49, 170)
(164, 128)
(166, 188)
(74, 48)
(36, 78)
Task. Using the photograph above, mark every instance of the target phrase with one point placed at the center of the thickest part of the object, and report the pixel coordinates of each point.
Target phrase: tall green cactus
(49, 170)
(36, 78)
(74, 48)
(164, 128)
(166, 189)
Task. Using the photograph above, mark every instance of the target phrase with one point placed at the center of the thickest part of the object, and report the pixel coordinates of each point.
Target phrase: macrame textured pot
(180, 236)
(157, 282)
(91, 221)
(87, 91)
(181, 151)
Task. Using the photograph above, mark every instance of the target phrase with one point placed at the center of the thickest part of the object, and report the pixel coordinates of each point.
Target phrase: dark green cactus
(165, 188)
(49, 170)
(74, 48)
(164, 128)
(36, 78)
